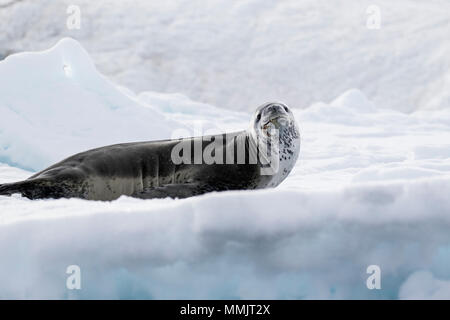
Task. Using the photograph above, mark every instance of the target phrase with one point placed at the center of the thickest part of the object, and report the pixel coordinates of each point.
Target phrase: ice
(371, 187)
(55, 103)
(239, 54)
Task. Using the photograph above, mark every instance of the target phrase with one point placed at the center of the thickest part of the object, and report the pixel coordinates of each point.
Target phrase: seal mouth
(276, 122)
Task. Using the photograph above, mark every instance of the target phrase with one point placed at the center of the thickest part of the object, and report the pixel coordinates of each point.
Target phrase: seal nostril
(273, 108)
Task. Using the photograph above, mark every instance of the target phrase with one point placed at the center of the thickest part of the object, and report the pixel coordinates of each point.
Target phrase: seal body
(153, 169)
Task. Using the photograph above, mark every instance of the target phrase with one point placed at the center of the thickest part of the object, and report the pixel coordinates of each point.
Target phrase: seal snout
(275, 108)
(276, 114)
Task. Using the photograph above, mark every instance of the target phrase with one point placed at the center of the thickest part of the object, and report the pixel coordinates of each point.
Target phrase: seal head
(274, 128)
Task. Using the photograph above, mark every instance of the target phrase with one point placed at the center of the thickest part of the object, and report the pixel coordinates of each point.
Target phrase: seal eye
(286, 109)
(258, 117)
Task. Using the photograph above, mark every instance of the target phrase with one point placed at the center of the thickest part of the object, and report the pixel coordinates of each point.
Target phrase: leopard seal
(176, 168)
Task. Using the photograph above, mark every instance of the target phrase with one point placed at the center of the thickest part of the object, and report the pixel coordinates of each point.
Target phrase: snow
(371, 185)
(68, 107)
(263, 244)
(423, 285)
(238, 54)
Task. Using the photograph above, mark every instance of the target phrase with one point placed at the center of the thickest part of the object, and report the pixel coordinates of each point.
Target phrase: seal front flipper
(180, 191)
